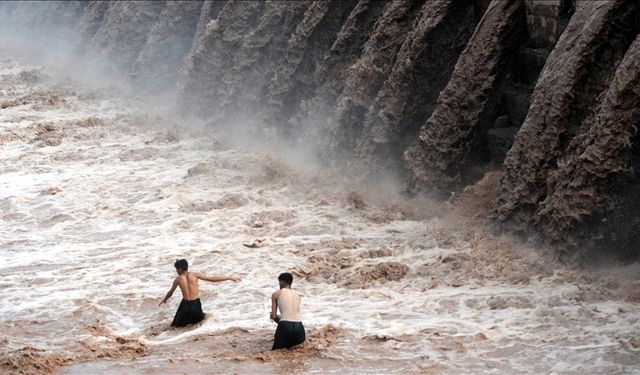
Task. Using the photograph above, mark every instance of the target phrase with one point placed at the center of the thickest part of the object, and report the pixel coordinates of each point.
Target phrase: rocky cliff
(543, 94)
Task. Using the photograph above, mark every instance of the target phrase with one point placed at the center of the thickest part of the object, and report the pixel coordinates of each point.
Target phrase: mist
(401, 159)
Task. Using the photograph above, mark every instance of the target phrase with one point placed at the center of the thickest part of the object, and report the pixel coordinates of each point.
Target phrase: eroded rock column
(575, 73)
(449, 140)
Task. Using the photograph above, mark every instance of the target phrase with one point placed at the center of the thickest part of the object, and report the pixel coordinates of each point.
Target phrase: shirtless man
(190, 309)
(290, 331)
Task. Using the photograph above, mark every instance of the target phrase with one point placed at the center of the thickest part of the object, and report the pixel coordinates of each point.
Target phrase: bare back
(288, 301)
(188, 283)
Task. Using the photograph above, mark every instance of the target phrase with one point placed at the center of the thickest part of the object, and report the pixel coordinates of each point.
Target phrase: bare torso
(188, 283)
(288, 302)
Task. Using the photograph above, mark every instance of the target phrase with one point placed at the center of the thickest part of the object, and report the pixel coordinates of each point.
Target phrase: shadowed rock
(168, 41)
(421, 70)
(580, 186)
(294, 81)
(123, 31)
(365, 77)
(201, 88)
(445, 154)
(574, 75)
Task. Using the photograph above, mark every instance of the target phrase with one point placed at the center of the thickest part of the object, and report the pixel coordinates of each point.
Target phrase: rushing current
(99, 194)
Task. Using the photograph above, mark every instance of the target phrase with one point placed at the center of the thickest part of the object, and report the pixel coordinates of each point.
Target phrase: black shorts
(189, 312)
(288, 334)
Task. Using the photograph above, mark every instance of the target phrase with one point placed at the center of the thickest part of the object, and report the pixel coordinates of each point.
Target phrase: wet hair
(182, 264)
(286, 277)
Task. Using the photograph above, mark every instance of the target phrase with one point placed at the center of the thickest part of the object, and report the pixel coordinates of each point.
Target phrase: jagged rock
(209, 11)
(123, 31)
(449, 140)
(421, 70)
(263, 50)
(347, 47)
(201, 88)
(577, 188)
(574, 75)
(365, 77)
(168, 41)
(293, 81)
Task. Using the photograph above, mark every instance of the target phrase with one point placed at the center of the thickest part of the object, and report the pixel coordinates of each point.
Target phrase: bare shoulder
(276, 294)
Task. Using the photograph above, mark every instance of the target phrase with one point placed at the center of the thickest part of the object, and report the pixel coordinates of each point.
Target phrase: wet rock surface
(563, 108)
(433, 93)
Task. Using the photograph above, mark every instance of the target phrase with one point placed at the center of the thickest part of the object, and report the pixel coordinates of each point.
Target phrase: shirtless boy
(190, 309)
(290, 331)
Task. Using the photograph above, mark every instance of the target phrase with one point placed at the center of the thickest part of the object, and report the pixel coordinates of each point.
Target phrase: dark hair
(182, 264)
(286, 277)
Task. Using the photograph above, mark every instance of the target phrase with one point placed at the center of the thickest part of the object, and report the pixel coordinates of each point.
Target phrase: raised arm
(217, 278)
(170, 292)
(274, 307)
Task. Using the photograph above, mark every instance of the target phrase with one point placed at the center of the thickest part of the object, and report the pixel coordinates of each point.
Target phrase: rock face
(294, 81)
(421, 70)
(167, 44)
(365, 77)
(313, 117)
(201, 86)
(450, 140)
(596, 159)
(123, 31)
(263, 50)
(439, 93)
(572, 80)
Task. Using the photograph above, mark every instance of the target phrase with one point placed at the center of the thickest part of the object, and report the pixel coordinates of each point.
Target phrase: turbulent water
(98, 198)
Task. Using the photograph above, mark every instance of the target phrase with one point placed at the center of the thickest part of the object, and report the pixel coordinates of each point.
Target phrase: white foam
(103, 247)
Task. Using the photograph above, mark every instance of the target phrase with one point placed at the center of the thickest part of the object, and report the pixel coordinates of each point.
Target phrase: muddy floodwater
(99, 195)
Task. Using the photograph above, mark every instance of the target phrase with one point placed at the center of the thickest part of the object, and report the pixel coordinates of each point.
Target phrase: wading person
(290, 331)
(190, 309)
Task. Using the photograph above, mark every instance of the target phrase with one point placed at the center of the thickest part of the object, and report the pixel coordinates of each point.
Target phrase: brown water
(99, 197)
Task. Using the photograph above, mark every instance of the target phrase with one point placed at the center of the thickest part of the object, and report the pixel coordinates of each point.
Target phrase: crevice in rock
(167, 44)
(573, 79)
(592, 194)
(201, 86)
(452, 148)
(293, 81)
(367, 75)
(421, 70)
(261, 53)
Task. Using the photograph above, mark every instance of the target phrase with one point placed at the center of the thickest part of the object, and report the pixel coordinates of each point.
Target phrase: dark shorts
(288, 334)
(189, 312)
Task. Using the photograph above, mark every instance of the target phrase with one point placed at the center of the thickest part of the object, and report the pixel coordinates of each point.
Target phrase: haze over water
(98, 197)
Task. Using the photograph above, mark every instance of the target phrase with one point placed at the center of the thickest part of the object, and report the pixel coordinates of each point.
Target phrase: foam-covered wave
(98, 199)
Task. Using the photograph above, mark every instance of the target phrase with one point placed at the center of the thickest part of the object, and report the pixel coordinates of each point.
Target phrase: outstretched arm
(169, 293)
(217, 278)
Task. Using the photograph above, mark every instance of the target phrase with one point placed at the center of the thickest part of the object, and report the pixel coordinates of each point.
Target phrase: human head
(181, 266)
(285, 279)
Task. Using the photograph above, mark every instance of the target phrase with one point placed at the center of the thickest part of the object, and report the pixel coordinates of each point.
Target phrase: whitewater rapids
(98, 197)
